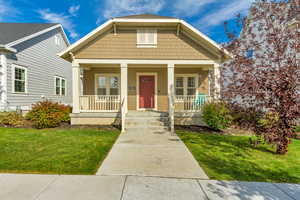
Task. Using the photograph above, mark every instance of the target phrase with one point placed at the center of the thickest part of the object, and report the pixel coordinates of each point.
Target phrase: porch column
(217, 84)
(76, 86)
(171, 92)
(124, 82)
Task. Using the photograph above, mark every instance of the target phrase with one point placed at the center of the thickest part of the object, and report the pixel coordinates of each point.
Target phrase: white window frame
(14, 66)
(147, 32)
(185, 82)
(107, 84)
(60, 87)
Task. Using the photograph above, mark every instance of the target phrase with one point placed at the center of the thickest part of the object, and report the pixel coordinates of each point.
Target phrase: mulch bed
(229, 131)
(29, 124)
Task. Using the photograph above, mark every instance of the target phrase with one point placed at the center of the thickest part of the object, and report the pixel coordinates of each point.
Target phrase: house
(30, 68)
(141, 63)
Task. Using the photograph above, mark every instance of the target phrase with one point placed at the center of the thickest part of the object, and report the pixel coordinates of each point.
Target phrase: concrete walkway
(149, 150)
(54, 187)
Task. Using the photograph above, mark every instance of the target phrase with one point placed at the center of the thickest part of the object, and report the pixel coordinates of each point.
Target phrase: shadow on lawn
(232, 158)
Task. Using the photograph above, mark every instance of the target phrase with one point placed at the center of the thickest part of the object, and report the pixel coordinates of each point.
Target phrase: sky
(79, 17)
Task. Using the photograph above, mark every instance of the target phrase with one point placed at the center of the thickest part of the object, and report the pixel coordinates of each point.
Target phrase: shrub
(12, 119)
(217, 115)
(245, 118)
(48, 114)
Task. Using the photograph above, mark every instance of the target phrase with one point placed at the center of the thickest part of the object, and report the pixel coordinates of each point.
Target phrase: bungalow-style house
(30, 68)
(141, 63)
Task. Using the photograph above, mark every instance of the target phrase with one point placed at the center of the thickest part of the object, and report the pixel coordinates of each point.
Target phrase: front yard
(226, 157)
(54, 151)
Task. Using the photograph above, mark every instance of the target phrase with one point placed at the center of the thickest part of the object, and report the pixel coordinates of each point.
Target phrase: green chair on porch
(200, 100)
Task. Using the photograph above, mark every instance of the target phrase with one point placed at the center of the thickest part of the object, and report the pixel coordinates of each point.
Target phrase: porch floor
(147, 148)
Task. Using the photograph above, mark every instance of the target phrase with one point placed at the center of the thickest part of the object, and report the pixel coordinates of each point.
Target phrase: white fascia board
(89, 35)
(120, 20)
(37, 34)
(131, 61)
(204, 37)
(64, 35)
(117, 20)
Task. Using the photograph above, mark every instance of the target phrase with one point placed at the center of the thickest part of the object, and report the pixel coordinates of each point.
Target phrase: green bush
(11, 119)
(48, 114)
(245, 118)
(217, 115)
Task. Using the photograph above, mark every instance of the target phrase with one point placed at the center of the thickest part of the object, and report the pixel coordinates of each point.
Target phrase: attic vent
(57, 39)
(146, 37)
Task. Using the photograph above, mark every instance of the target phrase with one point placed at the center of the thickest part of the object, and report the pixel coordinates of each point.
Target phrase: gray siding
(39, 56)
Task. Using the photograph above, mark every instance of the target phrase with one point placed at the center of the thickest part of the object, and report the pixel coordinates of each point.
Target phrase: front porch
(111, 88)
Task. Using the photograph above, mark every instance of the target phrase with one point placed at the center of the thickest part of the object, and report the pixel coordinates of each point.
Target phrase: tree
(264, 73)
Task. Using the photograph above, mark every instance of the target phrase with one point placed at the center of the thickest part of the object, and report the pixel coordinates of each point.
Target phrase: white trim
(13, 67)
(185, 82)
(146, 32)
(40, 33)
(60, 88)
(132, 61)
(130, 20)
(138, 74)
(126, 20)
(3, 77)
(86, 37)
(107, 84)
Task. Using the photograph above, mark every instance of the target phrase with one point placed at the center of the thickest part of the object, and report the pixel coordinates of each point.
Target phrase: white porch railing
(98, 103)
(190, 103)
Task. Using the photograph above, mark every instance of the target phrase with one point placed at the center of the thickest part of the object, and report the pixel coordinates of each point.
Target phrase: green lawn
(59, 151)
(233, 158)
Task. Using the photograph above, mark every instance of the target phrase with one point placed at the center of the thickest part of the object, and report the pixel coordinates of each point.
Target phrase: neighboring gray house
(30, 69)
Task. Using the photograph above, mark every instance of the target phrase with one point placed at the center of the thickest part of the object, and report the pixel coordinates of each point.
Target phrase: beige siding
(162, 94)
(123, 46)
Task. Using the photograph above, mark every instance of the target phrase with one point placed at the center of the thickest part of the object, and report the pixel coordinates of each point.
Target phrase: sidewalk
(148, 151)
(50, 187)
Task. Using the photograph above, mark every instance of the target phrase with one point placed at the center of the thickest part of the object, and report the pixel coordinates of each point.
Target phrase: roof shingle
(10, 32)
(145, 16)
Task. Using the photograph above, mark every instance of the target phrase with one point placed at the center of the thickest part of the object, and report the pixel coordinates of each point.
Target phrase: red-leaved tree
(264, 74)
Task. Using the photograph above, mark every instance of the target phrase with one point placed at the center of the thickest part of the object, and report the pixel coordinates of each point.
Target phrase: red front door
(146, 88)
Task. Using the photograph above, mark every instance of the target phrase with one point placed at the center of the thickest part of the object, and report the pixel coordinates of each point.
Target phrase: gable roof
(146, 18)
(10, 32)
(15, 33)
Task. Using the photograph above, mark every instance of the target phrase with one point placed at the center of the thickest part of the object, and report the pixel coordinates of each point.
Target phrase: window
(107, 84)
(146, 37)
(186, 85)
(179, 86)
(57, 40)
(60, 86)
(19, 79)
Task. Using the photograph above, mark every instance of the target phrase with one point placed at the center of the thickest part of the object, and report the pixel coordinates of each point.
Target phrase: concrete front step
(148, 128)
(146, 114)
(139, 123)
(146, 119)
